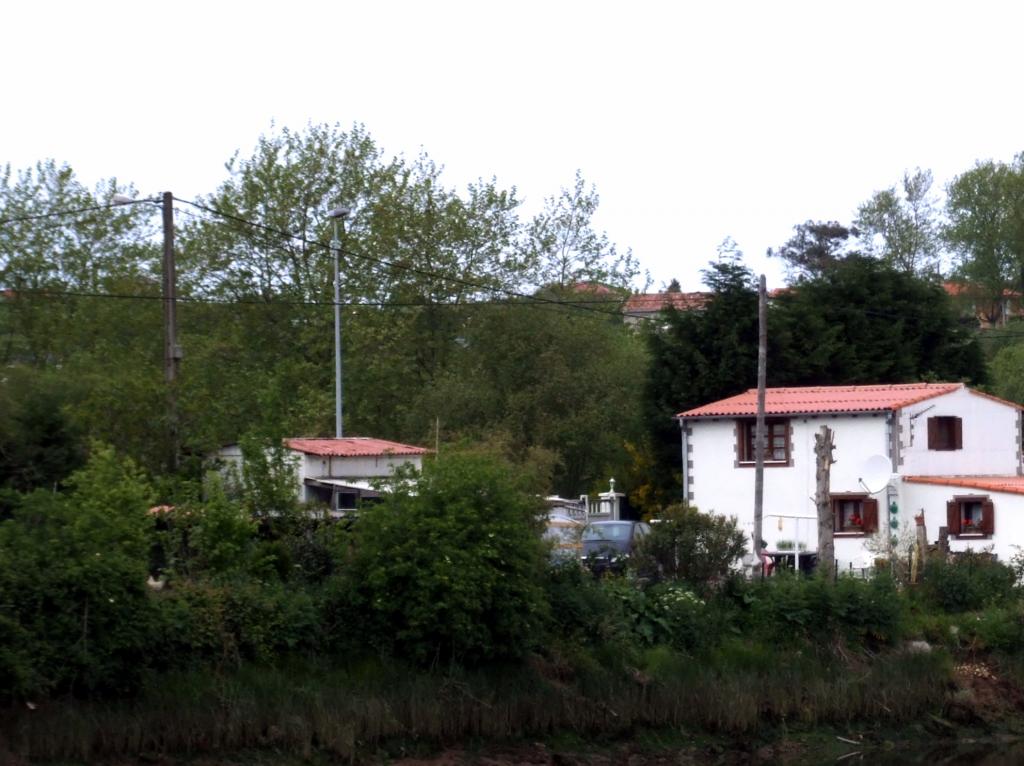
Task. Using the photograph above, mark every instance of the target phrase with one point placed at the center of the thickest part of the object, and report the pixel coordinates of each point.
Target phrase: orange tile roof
(1011, 484)
(819, 400)
(652, 303)
(353, 446)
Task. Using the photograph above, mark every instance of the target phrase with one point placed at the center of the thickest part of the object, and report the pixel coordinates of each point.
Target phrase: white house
(339, 471)
(947, 451)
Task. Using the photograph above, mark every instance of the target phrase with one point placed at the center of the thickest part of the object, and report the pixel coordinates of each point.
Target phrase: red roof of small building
(353, 446)
(824, 400)
(652, 303)
(1012, 484)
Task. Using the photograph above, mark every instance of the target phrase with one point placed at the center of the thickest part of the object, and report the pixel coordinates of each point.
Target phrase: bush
(72, 580)
(685, 544)
(969, 582)
(451, 567)
(227, 623)
(864, 612)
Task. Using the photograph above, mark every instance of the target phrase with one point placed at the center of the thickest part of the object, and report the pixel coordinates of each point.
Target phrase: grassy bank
(357, 711)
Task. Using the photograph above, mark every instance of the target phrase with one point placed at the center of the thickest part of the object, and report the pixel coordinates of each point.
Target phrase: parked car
(607, 545)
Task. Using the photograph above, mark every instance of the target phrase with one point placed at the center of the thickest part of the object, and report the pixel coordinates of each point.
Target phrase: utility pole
(172, 352)
(823, 447)
(759, 428)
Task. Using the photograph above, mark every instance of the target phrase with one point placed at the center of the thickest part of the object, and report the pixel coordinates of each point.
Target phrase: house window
(945, 433)
(776, 431)
(854, 515)
(971, 517)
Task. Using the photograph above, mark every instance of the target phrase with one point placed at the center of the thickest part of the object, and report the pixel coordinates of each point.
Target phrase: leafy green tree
(563, 249)
(546, 378)
(985, 206)
(1008, 373)
(865, 321)
(699, 356)
(685, 544)
(72, 576)
(900, 225)
(450, 567)
(814, 248)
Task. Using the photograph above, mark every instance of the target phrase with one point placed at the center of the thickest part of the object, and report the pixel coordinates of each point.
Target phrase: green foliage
(864, 321)
(687, 545)
(1007, 368)
(793, 609)
(229, 622)
(220, 531)
(985, 206)
(72, 575)
(451, 568)
(971, 581)
(900, 225)
(39, 445)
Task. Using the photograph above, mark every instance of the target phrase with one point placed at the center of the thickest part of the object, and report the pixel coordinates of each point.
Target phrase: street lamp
(336, 215)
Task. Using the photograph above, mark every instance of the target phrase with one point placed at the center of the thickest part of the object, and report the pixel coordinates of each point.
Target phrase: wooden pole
(759, 428)
(172, 354)
(823, 447)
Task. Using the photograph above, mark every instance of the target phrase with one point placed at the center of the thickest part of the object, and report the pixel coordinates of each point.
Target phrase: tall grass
(359, 709)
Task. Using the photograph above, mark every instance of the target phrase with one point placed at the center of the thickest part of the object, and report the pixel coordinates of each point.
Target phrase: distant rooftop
(353, 446)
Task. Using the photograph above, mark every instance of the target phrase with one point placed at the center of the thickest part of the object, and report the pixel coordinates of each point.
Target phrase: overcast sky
(696, 121)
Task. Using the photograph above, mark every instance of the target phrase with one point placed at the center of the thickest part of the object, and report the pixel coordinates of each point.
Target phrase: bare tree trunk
(823, 448)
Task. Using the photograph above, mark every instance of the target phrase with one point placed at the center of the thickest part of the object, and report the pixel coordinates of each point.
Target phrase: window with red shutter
(969, 517)
(854, 515)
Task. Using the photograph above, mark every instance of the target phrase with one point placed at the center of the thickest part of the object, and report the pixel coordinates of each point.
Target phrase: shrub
(451, 567)
(970, 581)
(72, 579)
(685, 544)
(867, 612)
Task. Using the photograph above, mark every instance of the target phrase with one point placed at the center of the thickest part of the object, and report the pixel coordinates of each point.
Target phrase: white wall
(718, 485)
(315, 466)
(991, 441)
(932, 498)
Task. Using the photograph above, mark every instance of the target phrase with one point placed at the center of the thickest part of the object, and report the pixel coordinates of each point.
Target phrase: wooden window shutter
(953, 517)
(933, 434)
(988, 517)
(958, 434)
(870, 515)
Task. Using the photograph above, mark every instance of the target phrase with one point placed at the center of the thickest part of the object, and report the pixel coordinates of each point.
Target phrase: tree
(699, 356)
(985, 207)
(900, 225)
(687, 545)
(866, 322)
(449, 567)
(547, 380)
(1008, 373)
(814, 248)
(562, 248)
(72, 575)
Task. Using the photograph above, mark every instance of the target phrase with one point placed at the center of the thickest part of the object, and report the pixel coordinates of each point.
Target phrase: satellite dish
(875, 473)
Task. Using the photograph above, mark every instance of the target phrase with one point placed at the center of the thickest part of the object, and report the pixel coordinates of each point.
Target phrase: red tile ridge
(812, 400)
(1009, 484)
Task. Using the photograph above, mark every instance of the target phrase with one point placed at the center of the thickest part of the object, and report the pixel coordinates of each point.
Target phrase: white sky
(695, 120)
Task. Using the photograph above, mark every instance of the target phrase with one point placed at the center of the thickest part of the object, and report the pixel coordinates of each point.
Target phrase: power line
(71, 211)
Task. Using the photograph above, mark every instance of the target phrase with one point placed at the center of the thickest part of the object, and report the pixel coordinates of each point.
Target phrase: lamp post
(336, 215)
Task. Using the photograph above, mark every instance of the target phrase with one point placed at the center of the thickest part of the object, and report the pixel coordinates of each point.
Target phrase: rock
(917, 647)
